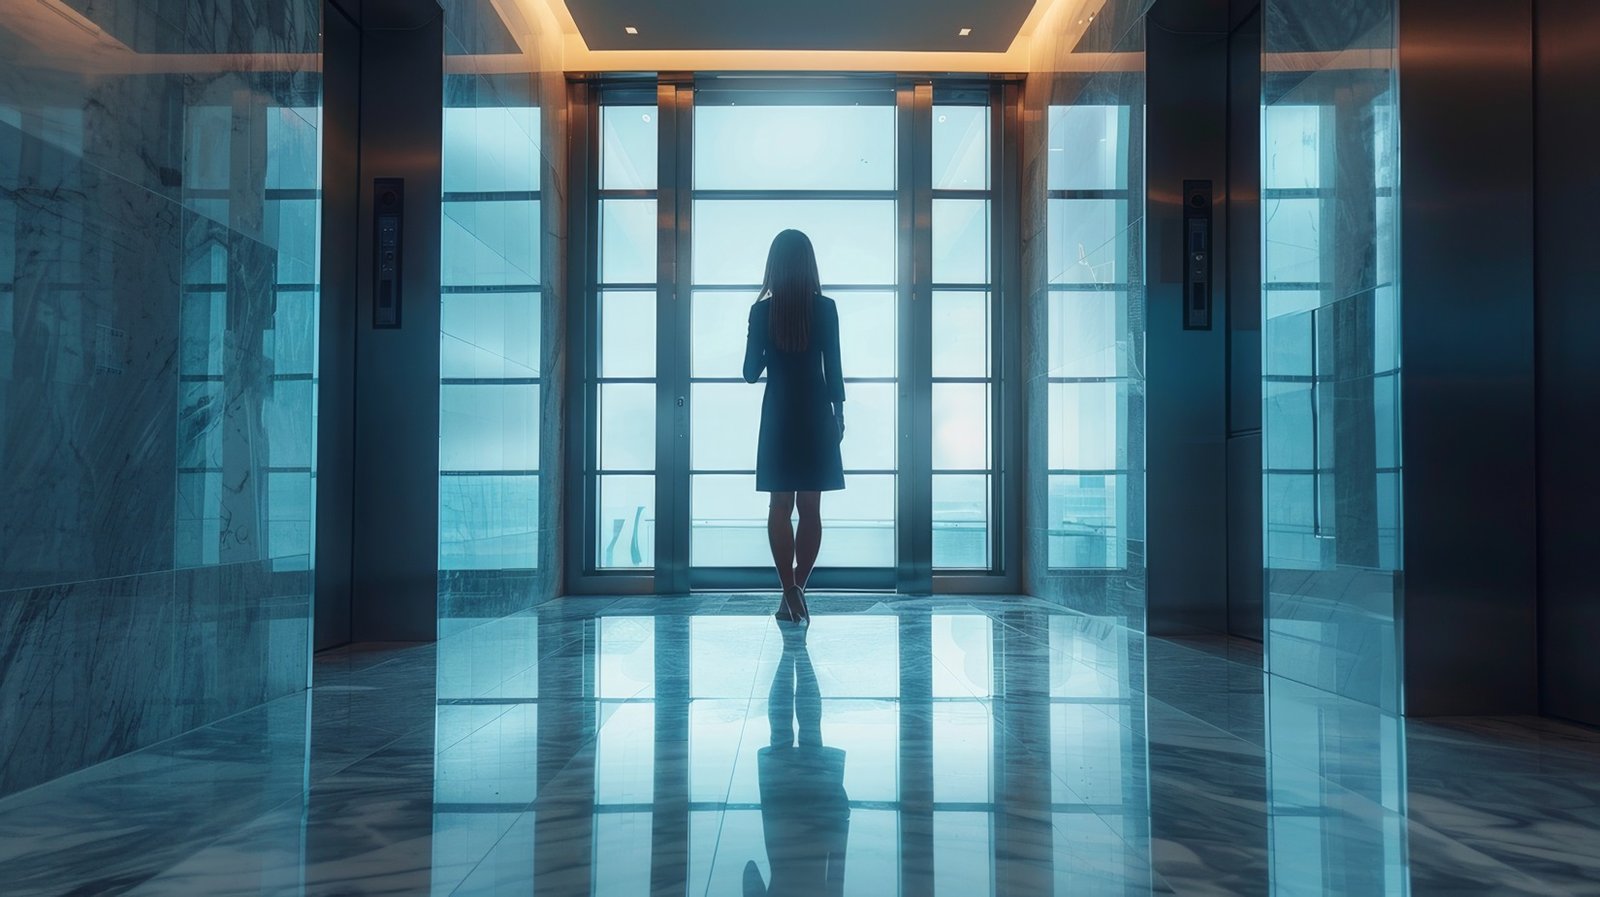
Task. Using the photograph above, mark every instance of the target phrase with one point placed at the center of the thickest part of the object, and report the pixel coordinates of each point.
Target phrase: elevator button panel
(388, 205)
(1197, 296)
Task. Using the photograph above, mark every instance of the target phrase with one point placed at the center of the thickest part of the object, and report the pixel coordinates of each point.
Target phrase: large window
(879, 175)
(828, 170)
(489, 349)
(625, 352)
(1092, 244)
(961, 352)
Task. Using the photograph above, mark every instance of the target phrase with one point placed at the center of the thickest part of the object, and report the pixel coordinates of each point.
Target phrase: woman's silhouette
(794, 336)
(805, 813)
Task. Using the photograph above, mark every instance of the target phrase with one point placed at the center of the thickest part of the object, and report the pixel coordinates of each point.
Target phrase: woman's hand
(838, 418)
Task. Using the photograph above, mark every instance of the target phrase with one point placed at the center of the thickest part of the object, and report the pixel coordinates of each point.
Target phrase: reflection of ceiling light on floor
(630, 29)
(647, 117)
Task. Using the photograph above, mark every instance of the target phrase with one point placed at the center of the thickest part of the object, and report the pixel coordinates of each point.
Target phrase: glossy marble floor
(950, 746)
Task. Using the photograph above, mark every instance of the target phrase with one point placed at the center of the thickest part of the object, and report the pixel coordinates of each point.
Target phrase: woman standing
(794, 336)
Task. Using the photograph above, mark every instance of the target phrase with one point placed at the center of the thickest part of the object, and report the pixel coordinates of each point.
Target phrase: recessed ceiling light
(630, 29)
(965, 32)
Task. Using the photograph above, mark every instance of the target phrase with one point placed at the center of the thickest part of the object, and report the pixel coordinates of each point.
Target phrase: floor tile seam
(363, 756)
(488, 853)
(744, 726)
(439, 750)
(219, 835)
(1527, 879)
(1327, 784)
(149, 749)
(1048, 761)
(538, 661)
(1429, 742)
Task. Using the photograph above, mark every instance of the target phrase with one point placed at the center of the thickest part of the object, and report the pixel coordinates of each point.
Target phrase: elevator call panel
(1197, 293)
(388, 204)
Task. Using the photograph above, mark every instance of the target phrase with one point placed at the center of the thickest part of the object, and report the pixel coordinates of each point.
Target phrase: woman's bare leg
(808, 536)
(780, 537)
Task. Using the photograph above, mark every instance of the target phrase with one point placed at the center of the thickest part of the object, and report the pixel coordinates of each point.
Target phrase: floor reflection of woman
(794, 337)
(805, 815)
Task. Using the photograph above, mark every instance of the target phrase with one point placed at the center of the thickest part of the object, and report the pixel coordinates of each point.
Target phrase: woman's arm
(755, 348)
(833, 377)
(830, 358)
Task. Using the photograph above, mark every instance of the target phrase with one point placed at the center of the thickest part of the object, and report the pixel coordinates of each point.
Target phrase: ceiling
(925, 26)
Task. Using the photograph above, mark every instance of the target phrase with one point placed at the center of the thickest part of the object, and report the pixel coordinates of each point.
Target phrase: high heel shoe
(805, 609)
(791, 610)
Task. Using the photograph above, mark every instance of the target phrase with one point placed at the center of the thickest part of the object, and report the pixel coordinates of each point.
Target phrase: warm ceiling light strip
(1057, 18)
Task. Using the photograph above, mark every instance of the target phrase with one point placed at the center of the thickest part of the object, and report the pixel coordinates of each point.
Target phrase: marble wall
(158, 298)
(1083, 208)
(502, 311)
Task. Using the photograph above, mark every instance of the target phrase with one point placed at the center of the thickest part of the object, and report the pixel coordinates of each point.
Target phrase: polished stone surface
(949, 745)
(159, 208)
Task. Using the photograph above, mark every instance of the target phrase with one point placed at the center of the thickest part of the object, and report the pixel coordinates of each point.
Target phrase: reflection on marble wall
(501, 429)
(1083, 318)
(1331, 359)
(158, 290)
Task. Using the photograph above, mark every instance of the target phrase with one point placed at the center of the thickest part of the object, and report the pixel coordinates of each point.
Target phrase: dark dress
(799, 446)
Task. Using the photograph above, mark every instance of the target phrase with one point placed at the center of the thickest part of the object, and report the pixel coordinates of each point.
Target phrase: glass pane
(726, 418)
(720, 321)
(627, 426)
(622, 835)
(1291, 142)
(963, 656)
(628, 240)
(867, 346)
(961, 147)
(490, 243)
(960, 426)
(1290, 229)
(869, 433)
(489, 335)
(1386, 419)
(488, 522)
(627, 334)
(286, 418)
(960, 241)
(963, 853)
(794, 147)
(1087, 333)
(729, 522)
(289, 515)
(960, 520)
(628, 147)
(1289, 347)
(1083, 521)
(962, 751)
(624, 761)
(960, 334)
(1084, 420)
(854, 238)
(625, 662)
(626, 521)
(489, 426)
(491, 148)
(1290, 439)
(1084, 241)
(858, 523)
(1088, 148)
